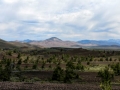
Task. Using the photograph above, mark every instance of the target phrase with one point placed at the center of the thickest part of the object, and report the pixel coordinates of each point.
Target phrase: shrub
(58, 74)
(106, 77)
(116, 68)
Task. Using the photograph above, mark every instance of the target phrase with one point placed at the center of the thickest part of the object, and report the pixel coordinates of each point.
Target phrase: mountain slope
(55, 42)
(5, 44)
(24, 45)
(53, 39)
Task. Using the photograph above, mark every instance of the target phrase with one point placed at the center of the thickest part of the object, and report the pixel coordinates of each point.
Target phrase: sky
(66, 19)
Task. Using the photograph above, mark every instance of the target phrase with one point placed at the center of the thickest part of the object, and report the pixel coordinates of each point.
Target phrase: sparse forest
(77, 68)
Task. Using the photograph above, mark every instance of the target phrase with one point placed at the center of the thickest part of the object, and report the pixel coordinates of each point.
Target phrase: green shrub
(106, 76)
(58, 74)
(116, 68)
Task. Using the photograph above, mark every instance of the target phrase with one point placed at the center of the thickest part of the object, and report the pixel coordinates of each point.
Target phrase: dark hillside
(6, 45)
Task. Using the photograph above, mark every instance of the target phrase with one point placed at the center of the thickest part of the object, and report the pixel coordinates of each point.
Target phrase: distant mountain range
(100, 42)
(56, 42)
(27, 41)
(17, 45)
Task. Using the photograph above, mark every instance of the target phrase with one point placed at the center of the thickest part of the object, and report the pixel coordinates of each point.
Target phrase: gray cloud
(66, 19)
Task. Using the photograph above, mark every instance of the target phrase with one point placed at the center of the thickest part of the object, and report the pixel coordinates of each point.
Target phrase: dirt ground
(50, 86)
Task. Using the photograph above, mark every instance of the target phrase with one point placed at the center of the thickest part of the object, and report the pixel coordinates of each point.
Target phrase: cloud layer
(65, 19)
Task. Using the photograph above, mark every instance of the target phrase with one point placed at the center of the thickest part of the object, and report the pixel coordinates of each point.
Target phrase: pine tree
(58, 74)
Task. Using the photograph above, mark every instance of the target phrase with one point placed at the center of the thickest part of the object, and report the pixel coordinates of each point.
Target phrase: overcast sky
(65, 19)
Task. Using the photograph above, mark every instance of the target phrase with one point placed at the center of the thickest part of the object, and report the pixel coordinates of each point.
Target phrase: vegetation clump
(106, 76)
